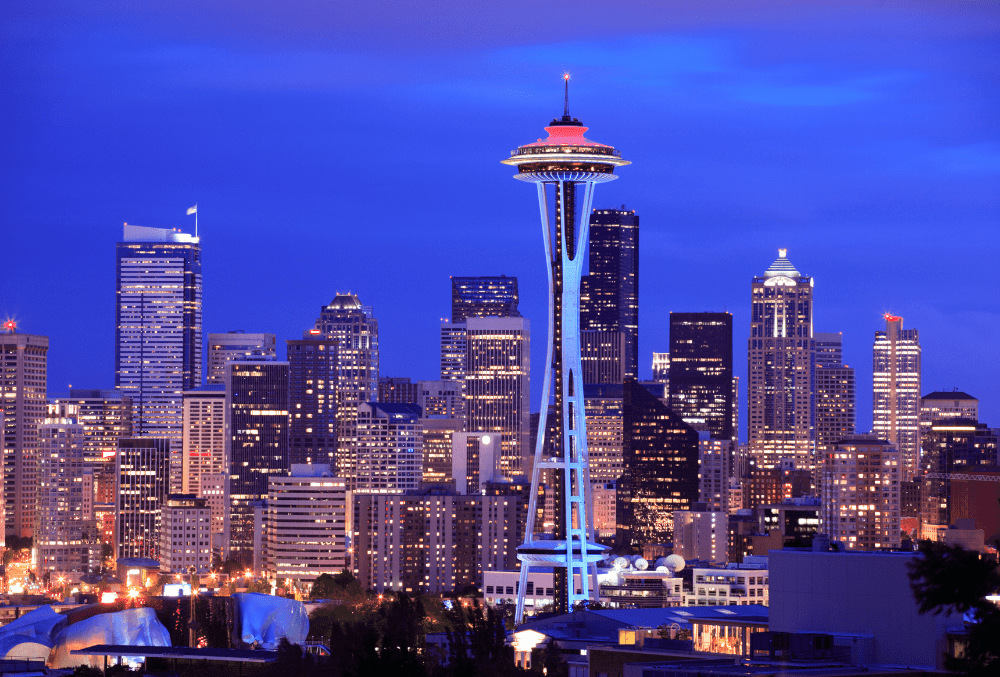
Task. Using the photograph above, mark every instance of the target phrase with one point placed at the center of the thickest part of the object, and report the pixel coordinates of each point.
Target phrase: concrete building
(835, 391)
(23, 381)
(215, 490)
(795, 521)
(441, 399)
(438, 441)
(257, 423)
(203, 445)
(66, 541)
(237, 346)
(715, 470)
(605, 422)
(313, 377)
(497, 388)
(860, 481)
(307, 524)
(603, 355)
(943, 405)
(158, 340)
(701, 535)
(475, 460)
(896, 391)
(780, 370)
(701, 371)
(735, 585)
(185, 535)
(397, 389)
(143, 469)
(661, 369)
(390, 453)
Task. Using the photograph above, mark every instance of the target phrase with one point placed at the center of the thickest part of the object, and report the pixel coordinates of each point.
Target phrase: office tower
(944, 405)
(609, 294)
(661, 368)
(497, 392)
(306, 524)
(390, 452)
(23, 380)
(158, 339)
(453, 349)
(240, 346)
(397, 389)
(257, 424)
(186, 536)
(565, 167)
(715, 468)
(215, 490)
(603, 405)
(896, 391)
(835, 391)
(660, 473)
(780, 392)
(65, 535)
(736, 414)
(475, 460)
(438, 438)
(494, 296)
(143, 465)
(860, 481)
(701, 534)
(203, 443)
(355, 329)
(701, 371)
(954, 449)
(603, 355)
(441, 399)
(313, 378)
(764, 485)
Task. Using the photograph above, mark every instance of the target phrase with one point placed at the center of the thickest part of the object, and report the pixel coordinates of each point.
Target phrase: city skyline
(718, 194)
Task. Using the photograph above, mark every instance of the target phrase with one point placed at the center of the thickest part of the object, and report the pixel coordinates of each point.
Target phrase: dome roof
(782, 267)
(344, 302)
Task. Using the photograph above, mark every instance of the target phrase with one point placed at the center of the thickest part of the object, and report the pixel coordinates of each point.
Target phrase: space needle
(565, 167)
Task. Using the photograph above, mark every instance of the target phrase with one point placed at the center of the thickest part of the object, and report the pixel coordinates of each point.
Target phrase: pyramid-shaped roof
(782, 267)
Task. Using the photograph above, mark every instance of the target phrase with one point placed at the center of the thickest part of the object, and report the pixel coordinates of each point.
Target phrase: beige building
(715, 469)
(438, 434)
(943, 405)
(203, 448)
(239, 346)
(896, 391)
(185, 535)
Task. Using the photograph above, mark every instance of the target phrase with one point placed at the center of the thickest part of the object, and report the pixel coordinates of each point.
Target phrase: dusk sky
(357, 146)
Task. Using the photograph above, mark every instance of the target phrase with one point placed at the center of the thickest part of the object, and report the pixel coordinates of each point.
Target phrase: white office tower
(701, 535)
(497, 392)
(896, 391)
(66, 541)
(475, 460)
(239, 346)
(861, 494)
(306, 524)
(389, 441)
(185, 535)
(203, 445)
(453, 348)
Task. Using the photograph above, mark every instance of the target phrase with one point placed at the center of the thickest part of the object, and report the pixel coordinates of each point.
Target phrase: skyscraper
(389, 448)
(257, 425)
(609, 294)
(494, 296)
(566, 166)
(660, 468)
(835, 391)
(237, 345)
(355, 329)
(701, 371)
(143, 465)
(204, 441)
(944, 405)
(896, 391)
(780, 392)
(661, 368)
(313, 379)
(398, 389)
(23, 381)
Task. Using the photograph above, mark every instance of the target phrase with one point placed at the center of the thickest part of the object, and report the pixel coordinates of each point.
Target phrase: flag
(193, 210)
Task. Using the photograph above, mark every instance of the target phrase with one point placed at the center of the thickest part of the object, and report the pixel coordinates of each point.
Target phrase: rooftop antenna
(566, 104)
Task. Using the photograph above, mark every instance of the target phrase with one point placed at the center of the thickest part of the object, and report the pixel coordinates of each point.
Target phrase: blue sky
(357, 146)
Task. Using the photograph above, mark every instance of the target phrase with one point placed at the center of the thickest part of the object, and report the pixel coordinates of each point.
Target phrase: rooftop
(782, 267)
(949, 395)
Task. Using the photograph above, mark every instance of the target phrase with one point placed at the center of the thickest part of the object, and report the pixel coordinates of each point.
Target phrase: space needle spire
(565, 168)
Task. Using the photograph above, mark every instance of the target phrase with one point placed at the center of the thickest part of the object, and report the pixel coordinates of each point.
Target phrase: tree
(949, 579)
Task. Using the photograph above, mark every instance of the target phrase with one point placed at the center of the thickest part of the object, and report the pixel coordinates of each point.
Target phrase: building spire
(566, 103)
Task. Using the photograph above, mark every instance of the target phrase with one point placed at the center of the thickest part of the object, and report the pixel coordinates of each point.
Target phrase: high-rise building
(835, 391)
(604, 431)
(355, 329)
(23, 381)
(660, 468)
(453, 349)
(860, 481)
(313, 378)
(257, 423)
(185, 535)
(204, 440)
(661, 368)
(158, 338)
(237, 345)
(701, 371)
(143, 465)
(307, 524)
(944, 405)
(715, 469)
(106, 416)
(603, 355)
(390, 454)
(397, 389)
(497, 392)
(492, 296)
(896, 391)
(65, 536)
(609, 294)
(702, 534)
(565, 167)
(438, 437)
(474, 461)
(441, 399)
(780, 393)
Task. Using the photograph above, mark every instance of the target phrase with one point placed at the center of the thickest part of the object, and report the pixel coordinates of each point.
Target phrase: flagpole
(196, 219)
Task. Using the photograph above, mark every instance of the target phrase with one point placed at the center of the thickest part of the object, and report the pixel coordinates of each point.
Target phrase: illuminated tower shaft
(567, 167)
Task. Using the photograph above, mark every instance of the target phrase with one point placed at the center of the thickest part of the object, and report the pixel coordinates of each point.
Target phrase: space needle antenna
(566, 103)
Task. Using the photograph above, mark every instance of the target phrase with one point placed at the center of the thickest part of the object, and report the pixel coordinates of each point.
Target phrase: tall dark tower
(492, 296)
(609, 295)
(701, 371)
(565, 168)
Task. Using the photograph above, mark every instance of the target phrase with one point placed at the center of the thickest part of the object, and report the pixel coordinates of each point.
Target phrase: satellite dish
(641, 564)
(674, 563)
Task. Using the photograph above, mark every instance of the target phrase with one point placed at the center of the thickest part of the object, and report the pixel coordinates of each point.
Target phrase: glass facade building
(701, 371)
(313, 377)
(494, 296)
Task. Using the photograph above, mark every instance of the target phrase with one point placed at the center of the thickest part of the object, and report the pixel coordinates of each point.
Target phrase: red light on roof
(892, 318)
(10, 325)
(314, 332)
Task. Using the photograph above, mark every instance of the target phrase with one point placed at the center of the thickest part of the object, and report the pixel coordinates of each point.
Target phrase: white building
(715, 469)
(389, 448)
(475, 460)
(185, 535)
(702, 536)
(736, 585)
(943, 405)
(240, 346)
(203, 443)
(896, 391)
(306, 524)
